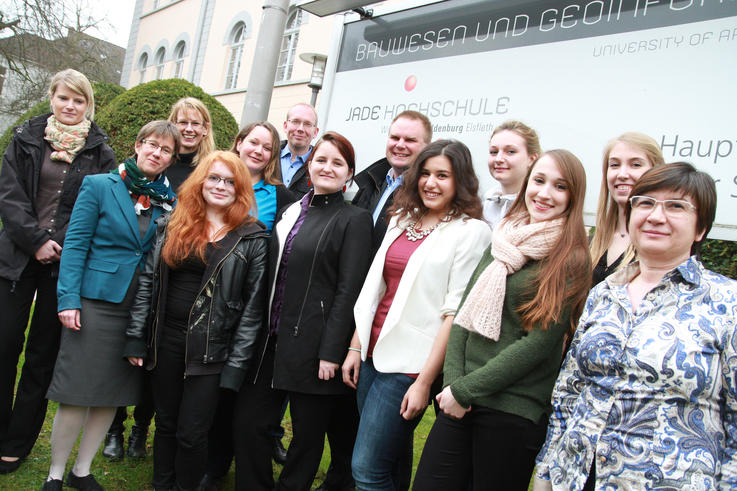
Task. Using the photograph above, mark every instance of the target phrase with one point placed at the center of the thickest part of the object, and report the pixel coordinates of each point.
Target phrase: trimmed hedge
(124, 116)
(720, 256)
(104, 93)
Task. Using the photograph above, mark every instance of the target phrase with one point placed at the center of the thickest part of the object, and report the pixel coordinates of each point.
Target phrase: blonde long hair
(207, 144)
(607, 210)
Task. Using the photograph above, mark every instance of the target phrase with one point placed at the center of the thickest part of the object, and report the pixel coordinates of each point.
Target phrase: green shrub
(720, 256)
(127, 113)
(40, 108)
(104, 93)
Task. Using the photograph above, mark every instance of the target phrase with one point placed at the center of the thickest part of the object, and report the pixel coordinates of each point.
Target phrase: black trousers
(21, 420)
(312, 415)
(257, 410)
(498, 449)
(184, 411)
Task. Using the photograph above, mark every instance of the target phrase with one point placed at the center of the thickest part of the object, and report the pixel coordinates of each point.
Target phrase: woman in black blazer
(318, 258)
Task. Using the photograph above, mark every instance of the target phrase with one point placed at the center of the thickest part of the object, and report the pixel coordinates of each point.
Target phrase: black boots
(137, 442)
(113, 448)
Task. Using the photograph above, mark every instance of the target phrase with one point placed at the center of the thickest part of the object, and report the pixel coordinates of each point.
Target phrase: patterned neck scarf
(66, 140)
(158, 192)
(513, 243)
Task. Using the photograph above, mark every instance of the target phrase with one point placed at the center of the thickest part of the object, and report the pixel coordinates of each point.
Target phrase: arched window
(235, 53)
(159, 61)
(142, 65)
(179, 59)
(289, 46)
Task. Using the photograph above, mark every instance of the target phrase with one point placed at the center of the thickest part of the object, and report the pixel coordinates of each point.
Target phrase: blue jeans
(383, 434)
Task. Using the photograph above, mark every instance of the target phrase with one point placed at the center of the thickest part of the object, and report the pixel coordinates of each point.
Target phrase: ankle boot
(137, 442)
(113, 448)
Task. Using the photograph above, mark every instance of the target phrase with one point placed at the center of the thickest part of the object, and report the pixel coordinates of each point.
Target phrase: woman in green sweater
(507, 340)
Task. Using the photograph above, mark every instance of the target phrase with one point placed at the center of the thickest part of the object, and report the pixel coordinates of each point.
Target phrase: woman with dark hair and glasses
(403, 315)
(318, 257)
(647, 397)
(110, 232)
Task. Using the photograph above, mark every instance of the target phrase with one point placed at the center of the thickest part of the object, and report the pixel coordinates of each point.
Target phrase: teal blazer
(103, 244)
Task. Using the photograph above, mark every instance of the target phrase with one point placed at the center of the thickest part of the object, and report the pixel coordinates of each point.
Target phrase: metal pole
(263, 67)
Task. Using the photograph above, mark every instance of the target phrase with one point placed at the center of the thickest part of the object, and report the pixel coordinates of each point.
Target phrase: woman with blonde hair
(626, 158)
(198, 310)
(513, 147)
(42, 171)
(506, 342)
(198, 139)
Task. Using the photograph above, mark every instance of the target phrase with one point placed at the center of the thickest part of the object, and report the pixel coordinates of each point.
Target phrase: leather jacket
(227, 315)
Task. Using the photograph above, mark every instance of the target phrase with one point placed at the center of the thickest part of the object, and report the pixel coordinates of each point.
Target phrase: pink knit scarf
(513, 244)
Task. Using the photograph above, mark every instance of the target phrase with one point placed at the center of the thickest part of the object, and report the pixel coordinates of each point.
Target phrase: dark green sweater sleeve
(509, 365)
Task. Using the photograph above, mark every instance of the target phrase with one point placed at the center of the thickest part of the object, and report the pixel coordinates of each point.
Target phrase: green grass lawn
(136, 474)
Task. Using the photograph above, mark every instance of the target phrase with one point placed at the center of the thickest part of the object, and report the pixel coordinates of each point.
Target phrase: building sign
(579, 72)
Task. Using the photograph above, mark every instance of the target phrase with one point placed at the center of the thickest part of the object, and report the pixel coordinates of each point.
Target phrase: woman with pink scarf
(507, 339)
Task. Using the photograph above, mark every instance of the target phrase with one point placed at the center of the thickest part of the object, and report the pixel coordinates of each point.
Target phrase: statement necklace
(414, 235)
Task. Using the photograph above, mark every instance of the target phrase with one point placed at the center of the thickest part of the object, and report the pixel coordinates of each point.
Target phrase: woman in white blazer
(406, 307)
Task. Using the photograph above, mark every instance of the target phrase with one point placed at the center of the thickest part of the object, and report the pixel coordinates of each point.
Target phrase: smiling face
(625, 166)
(218, 189)
(509, 160)
(329, 170)
(436, 185)
(69, 107)
(192, 126)
(547, 195)
(155, 155)
(255, 151)
(406, 140)
(661, 237)
(301, 128)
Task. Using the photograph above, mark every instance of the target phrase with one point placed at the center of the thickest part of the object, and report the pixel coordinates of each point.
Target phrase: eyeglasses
(671, 207)
(166, 151)
(215, 180)
(298, 122)
(194, 124)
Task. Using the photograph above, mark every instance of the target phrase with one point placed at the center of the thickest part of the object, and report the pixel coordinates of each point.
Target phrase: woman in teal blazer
(110, 232)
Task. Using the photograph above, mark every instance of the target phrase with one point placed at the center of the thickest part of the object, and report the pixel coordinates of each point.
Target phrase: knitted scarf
(66, 140)
(514, 242)
(158, 192)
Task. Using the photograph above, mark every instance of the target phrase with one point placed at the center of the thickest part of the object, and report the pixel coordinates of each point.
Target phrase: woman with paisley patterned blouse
(647, 397)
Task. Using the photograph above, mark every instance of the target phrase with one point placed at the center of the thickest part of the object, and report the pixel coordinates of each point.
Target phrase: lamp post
(318, 62)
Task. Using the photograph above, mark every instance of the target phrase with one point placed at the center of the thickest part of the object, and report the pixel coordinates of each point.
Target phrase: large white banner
(580, 73)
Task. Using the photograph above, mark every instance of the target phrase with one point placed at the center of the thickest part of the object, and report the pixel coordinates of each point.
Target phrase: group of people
(209, 288)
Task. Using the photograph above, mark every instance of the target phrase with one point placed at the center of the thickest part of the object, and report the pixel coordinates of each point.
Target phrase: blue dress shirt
(391, 184)
(289, 168)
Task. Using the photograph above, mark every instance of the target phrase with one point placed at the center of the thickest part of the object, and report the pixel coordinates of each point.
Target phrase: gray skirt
(90, 368)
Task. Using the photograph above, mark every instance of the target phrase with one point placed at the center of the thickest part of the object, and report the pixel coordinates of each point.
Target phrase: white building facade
(211, 43)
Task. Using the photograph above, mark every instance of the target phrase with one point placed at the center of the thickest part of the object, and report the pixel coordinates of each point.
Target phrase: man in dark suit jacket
(409, 133)
(301, 128)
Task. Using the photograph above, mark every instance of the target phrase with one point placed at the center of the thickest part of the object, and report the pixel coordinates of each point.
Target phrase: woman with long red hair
(198, 311)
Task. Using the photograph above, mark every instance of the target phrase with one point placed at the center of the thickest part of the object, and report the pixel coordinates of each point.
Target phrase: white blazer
(431, 287)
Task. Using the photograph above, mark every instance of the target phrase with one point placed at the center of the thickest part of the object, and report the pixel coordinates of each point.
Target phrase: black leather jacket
(227, 315)
(21, 235)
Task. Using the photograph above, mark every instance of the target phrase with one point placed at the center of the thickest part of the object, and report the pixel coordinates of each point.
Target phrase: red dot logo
(410, 83)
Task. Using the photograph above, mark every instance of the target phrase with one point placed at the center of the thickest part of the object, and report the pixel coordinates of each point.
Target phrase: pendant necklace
(413, 235)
